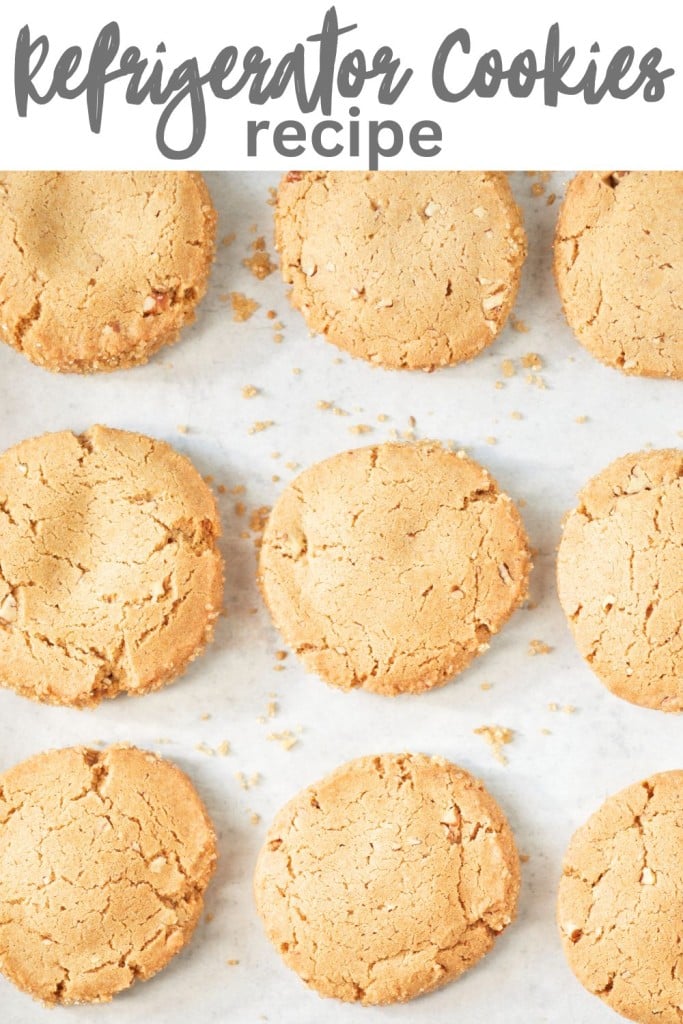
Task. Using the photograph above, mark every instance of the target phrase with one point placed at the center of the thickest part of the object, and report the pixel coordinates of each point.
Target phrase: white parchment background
(551, 783)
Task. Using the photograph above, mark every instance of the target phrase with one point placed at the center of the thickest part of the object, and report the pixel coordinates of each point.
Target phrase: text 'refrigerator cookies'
(99, 270)
(620, 577)
(619, 268)
(388, 878)
(110, 575)
(406, 269)
(390, 567)
(104, 859)
(620, 906)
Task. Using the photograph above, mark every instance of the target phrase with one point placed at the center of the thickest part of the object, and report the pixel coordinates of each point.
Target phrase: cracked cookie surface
(390, 567)
(409, 269)
(388, 878)
(99, 270)
(619, 268)
(110, 574)
(620, 577)
(104, 860)
(620, 906)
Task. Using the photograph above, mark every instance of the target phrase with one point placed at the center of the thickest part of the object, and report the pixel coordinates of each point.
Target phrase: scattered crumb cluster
(497, 736)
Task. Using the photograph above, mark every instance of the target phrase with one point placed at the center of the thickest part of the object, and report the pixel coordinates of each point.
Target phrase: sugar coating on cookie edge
(390, 567)
(408, 270)
(104, 860)
(619, 571)
(110, 575)
(620, 904)
(426, 878)
(619, 268)
(101, 269)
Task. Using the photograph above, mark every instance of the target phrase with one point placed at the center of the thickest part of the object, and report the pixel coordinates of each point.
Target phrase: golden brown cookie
(620, 577)
(390, 567)
(104, 860)
(620, 907)
(99, 270)
(110, 574)
(408, 269)
(619, 268)
(388, 878)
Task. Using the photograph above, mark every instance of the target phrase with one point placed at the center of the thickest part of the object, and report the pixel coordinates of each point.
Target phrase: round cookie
(620, 574)
(619, 268)
(426, 877)
(390, 567)
(110, 574)
(104, 860)
(408, 269)
(620, 906)
(99, 270)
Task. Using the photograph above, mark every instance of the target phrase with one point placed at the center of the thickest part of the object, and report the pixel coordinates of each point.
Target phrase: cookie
(104, 860)
(389, 878)
(110, 575)
(620, 906)
(619, 268)
(620, 577)
(99, 270)
(390, 567)
(408, 269)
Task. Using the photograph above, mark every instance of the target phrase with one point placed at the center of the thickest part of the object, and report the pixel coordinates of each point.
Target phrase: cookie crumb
(286, 738)
(223, 748)
(243, 308)
(514, 415)
(538, 647)
(258, 520)
(247, 782)
(259, 263)
(360, 428)
(532, 361)
(260, 425)
(249, 391)
(183, 428)
(508, 368)
(496, 736)
(519, 325)
(486, 686)
(581, 419)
